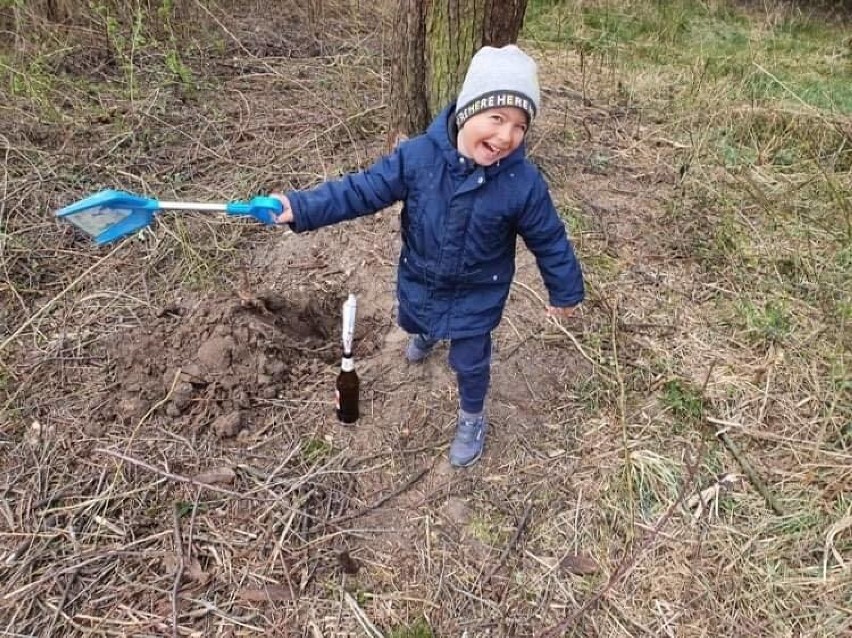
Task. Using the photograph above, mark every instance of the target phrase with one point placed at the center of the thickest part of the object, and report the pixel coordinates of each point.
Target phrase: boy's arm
(544, 234)
(351, 196)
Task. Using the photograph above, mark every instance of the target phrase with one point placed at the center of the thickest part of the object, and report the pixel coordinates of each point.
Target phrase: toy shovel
(110, 215)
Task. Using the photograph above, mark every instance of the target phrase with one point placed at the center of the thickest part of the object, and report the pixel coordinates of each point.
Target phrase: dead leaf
(194, 573)
(708, 498)
(837, 528)
(216, 475)
(267, 593)
(38, 434)
(579, 564)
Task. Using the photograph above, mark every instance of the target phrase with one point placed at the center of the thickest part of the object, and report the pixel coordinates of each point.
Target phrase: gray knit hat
(497, 78)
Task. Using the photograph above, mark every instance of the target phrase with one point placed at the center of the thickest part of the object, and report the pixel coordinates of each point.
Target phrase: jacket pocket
(488, 237)
(497, 272)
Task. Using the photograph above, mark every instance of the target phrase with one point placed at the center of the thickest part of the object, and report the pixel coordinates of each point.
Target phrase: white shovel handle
(199, 206)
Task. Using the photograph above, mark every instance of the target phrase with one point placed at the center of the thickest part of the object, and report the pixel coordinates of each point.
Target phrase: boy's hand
(561, 313)
(286, 215)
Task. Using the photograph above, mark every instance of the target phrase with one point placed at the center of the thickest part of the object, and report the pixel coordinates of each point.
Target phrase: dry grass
(621, 493)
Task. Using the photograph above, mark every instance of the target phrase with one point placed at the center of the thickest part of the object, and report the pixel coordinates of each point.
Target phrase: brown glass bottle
(347, 390)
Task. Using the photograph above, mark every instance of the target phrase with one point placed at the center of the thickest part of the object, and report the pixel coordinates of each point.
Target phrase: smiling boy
(468, 192)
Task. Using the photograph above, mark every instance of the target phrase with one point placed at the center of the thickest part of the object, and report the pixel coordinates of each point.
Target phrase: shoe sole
(460, 466)
(470, 462)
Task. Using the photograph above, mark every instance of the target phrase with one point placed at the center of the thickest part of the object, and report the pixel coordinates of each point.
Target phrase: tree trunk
(434, 41)
(408, 98)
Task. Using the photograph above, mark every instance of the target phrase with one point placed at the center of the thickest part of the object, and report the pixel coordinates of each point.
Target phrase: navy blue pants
(470, 359)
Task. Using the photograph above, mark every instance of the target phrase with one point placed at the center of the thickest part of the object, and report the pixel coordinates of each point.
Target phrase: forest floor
(676, 460)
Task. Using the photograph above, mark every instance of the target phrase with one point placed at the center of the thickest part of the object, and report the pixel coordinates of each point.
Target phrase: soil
(207, 365)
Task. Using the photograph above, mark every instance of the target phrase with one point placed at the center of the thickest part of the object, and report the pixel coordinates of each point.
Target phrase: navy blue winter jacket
(459, 225)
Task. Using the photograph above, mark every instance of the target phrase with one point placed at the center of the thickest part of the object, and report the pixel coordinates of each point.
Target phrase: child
(468, 192)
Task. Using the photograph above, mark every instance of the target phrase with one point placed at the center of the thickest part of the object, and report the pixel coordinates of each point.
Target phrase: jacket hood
(442, 132)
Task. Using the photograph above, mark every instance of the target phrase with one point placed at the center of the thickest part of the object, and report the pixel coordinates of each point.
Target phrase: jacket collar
(443, 132)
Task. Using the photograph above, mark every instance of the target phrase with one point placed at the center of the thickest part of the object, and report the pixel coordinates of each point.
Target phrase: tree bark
(409, 104)
(434, 41)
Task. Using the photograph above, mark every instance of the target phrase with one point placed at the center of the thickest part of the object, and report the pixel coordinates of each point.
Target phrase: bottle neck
(347, 364)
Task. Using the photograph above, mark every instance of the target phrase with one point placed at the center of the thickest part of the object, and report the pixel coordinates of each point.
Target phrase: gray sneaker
(419, 347)
(469, 442)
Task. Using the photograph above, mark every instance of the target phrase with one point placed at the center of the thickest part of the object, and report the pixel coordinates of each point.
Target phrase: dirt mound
(209, 364)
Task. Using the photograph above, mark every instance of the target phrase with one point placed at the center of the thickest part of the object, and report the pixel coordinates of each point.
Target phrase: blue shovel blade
(110, 215)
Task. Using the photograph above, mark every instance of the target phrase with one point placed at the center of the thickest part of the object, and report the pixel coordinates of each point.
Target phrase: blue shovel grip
(262, 208)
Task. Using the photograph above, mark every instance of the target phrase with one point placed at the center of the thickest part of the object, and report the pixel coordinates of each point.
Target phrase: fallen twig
(838, 527)
(555, 322)
(519, 530)
(169, 475)
(366, 624)
(69, 582)
(750, 472)
(399, 490)
(178, 571)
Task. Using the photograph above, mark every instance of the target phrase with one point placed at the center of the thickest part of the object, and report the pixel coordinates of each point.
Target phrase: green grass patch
(418, 629)
(656, 481)
(185, 508)
(591, 393)
(314, 450)
(31, 80)
(768, 322)
(605, 266)
(683, 400)
(487, 528)
(799, 58)
(801, 522)
(577, 224)
(777, 137)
